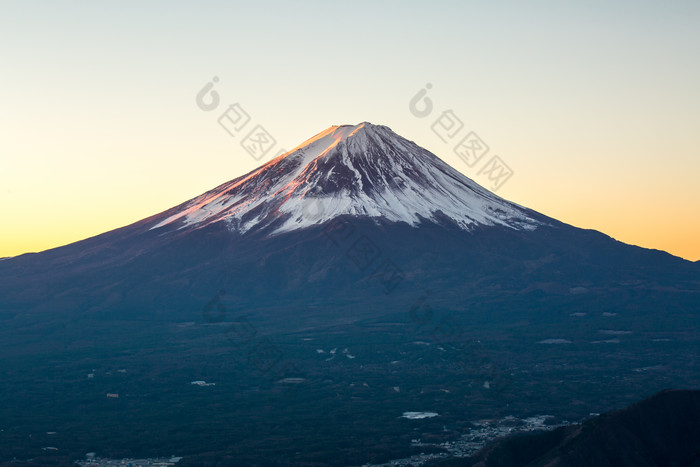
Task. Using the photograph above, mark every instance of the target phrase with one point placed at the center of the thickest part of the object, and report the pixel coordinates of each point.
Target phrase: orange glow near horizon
(648, 229)
(101, 126)
(652, 227)
(684, 244)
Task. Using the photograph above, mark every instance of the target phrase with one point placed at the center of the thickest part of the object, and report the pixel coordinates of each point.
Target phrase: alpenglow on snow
(359, 170)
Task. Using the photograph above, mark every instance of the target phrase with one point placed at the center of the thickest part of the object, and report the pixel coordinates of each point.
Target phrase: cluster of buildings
(471, 442)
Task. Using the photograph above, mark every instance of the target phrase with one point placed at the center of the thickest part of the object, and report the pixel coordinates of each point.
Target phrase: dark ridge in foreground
(663, 430)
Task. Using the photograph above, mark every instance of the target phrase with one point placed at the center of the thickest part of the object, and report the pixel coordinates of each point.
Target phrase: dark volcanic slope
(663, 430)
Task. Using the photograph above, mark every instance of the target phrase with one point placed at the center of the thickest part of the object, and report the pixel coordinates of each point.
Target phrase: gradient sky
(594, 105)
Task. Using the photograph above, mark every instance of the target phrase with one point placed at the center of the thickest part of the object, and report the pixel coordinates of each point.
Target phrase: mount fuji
(358, 265)
(266, 236)
(363, 170)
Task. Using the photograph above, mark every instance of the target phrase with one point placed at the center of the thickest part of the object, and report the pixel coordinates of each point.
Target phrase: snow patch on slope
(362, 170)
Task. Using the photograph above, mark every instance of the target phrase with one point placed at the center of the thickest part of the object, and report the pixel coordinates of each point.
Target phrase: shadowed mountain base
(663, 430)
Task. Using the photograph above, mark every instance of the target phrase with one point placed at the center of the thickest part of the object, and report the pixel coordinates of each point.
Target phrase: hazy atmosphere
(359, 234)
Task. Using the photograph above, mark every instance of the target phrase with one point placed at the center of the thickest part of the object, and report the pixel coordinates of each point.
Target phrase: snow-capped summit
(361, 170)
